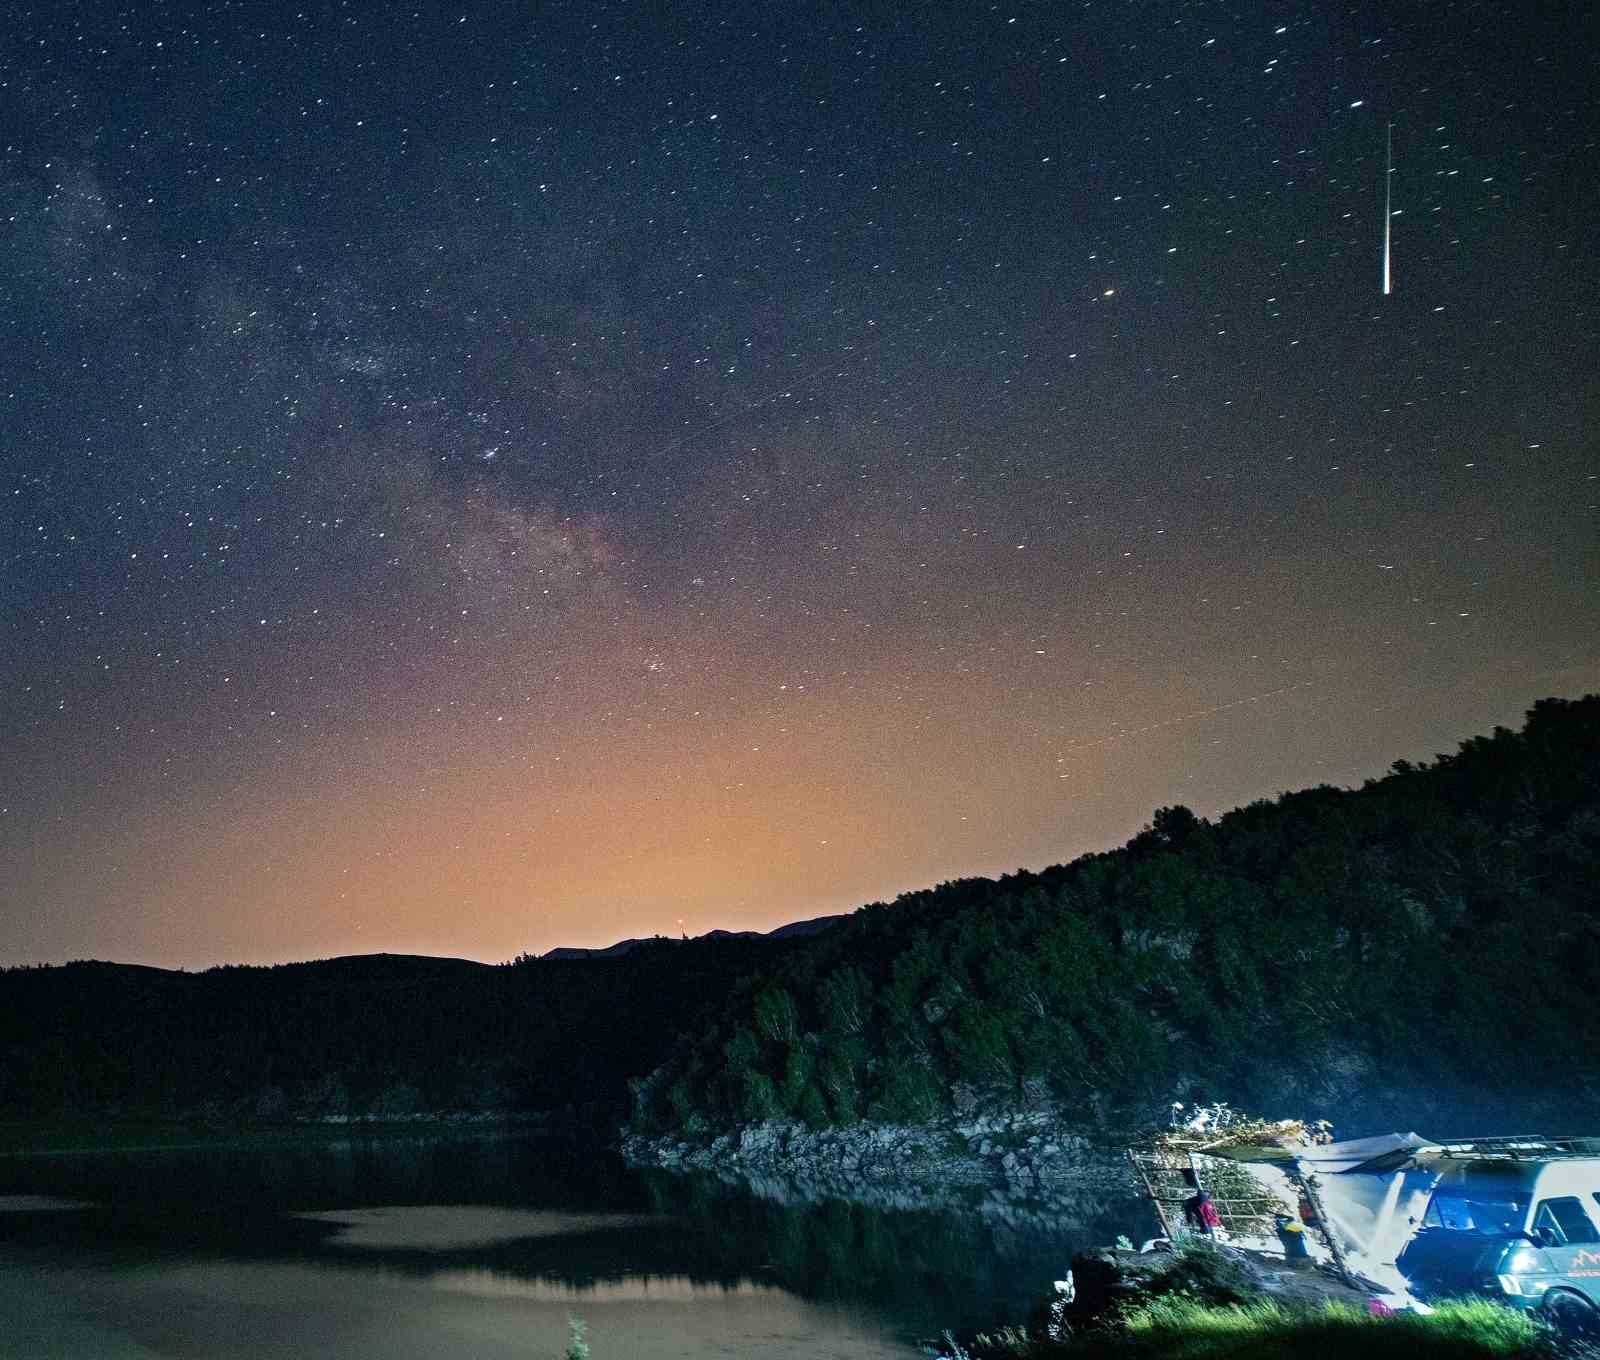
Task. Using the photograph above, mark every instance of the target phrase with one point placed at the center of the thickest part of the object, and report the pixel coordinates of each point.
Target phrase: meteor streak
(1388, 172)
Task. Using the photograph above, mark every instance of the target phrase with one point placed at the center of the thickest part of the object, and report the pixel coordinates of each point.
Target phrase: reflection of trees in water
(937, 1262)
(359, 1170)
(922, 1268)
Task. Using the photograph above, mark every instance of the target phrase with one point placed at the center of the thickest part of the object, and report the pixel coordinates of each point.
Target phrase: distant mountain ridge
(445, 967)
(382, 1035)
(793, 931)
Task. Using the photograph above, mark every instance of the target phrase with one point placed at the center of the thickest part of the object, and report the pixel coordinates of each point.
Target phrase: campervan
(1511, 1217)
(1522, 1228)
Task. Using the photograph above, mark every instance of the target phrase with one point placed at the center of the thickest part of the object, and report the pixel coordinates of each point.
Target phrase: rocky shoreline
(1017, 1163)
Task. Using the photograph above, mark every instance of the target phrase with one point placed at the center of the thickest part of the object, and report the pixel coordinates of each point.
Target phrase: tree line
(384, 1035)
(1437, 930)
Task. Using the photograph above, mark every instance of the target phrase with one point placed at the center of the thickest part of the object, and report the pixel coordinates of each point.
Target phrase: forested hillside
(1438, 927)
(378, 1034)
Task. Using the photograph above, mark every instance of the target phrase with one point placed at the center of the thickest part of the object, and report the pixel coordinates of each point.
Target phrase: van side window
(1562, 1222)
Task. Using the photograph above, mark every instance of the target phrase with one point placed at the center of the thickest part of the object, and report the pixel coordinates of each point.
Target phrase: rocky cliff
(1013, 1163)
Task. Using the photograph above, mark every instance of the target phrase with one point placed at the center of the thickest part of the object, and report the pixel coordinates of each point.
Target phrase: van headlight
(1521, 1261)
(1526, 1260)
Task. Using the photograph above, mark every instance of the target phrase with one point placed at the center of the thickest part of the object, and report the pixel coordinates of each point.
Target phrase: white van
(1522, 1229)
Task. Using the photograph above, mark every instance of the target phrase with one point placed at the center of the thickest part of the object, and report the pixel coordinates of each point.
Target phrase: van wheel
(1571, 1314)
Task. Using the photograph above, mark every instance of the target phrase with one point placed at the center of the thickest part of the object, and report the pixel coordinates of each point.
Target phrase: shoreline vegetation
(1185, 1329)
(1202, 1303)
(74, 1137)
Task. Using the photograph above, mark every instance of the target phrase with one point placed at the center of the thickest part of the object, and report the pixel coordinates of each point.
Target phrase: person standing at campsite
(1292, 1234)
(1201, 1214)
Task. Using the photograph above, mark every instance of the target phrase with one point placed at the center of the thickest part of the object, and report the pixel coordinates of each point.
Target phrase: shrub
(577, 1339)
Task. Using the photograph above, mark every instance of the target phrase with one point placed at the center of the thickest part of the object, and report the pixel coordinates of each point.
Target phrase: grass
(1198, 1304)
(1182, 1329)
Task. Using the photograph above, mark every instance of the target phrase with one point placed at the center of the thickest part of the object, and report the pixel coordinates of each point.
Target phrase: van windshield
(1494, 1213)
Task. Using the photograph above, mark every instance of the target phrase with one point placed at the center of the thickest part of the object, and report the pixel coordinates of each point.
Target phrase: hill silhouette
(383, 1034)
(1435, 933)
(1425, 946)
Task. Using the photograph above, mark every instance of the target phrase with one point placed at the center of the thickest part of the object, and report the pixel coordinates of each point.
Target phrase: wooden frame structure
(1172, 1172)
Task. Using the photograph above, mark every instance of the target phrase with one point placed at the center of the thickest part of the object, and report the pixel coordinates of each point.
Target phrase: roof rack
(1521, 1147)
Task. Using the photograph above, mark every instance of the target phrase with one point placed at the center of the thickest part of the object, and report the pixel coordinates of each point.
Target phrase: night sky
(485, 478)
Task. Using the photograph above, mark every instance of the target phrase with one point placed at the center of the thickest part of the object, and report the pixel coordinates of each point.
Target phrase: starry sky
(486, 477)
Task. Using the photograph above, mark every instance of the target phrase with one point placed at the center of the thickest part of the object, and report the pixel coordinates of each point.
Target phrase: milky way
(526, 475)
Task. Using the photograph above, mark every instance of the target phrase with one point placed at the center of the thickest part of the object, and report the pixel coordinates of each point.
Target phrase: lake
(483, 1246)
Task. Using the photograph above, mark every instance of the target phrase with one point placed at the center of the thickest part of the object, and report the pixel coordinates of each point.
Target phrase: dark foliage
(383, 1034)
(1440, 926)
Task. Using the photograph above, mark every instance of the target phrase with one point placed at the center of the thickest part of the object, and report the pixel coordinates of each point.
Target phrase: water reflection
(234, 1311)
(454, 1227)
(514, 1223)
(640, 1289)
(27, 1204)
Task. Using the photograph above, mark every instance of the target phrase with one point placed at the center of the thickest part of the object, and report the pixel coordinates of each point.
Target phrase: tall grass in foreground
(1178, 1328)
(1182, 1329)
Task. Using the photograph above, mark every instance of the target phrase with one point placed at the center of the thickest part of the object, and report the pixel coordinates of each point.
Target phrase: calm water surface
(483, 1247)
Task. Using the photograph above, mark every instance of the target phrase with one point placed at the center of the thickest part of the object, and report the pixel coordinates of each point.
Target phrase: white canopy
(1356, 1154)
(1373, 1191)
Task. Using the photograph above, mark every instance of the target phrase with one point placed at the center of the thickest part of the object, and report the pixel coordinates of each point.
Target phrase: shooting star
(1388, 173)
